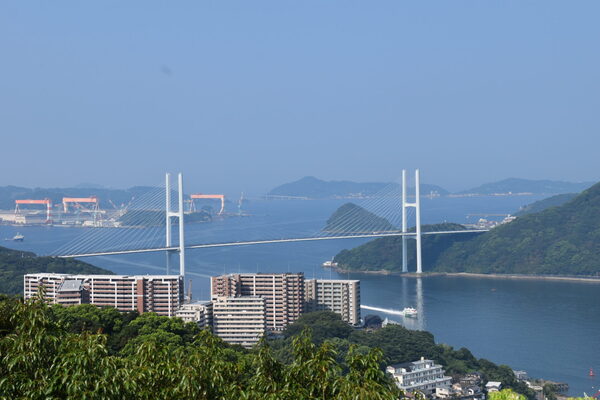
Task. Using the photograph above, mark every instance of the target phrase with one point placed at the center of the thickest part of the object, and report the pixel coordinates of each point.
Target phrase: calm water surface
(550, 329)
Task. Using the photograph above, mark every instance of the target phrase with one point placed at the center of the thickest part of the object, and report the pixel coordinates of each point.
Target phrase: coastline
(567, 278)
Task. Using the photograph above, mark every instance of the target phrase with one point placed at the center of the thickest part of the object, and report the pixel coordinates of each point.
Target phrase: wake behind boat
(406, 312)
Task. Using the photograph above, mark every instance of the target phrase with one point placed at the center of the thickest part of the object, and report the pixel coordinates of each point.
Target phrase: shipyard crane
(77, 202)
(46, 202)
(207, 196)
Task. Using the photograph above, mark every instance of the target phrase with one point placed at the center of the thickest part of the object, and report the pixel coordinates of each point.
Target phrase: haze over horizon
(118, 93)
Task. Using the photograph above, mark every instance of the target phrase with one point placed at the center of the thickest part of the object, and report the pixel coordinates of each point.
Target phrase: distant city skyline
(246, 96)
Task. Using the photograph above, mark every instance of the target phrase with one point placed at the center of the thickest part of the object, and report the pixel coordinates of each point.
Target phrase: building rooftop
(333, 280)
(409, 366)
(98, 276)
(71, 285)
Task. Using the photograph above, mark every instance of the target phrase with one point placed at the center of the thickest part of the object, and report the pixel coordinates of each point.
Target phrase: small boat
(18, 237)
(592, 372)
(409, 312)
(330, 264)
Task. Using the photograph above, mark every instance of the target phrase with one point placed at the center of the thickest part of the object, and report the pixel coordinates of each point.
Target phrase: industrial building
(239, 320)
(340, 296)
(283, 294)
(162, 294)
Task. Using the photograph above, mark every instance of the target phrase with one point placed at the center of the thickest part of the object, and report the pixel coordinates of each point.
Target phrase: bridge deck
(255, 242)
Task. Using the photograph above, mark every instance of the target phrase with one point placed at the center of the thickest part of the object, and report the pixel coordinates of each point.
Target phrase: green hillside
(352, 218)
(14, 264)
(543, 204)
(385, 254)
(563, 240)
(560, 240)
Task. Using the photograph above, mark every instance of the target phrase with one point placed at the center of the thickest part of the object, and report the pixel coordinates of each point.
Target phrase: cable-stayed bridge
(148, 225)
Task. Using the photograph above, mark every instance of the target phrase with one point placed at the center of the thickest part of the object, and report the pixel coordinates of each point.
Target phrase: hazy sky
(247, 95)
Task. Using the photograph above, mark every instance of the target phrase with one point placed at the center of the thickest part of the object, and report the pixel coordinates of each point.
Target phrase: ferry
(330, 264)
(409, 312)
(18, 237)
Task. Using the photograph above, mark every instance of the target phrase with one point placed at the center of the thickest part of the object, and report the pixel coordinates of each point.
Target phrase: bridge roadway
(253, 242)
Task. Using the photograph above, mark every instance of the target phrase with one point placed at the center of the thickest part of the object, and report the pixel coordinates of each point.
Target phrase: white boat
(409, 312)
(18, 237)
(330, 264)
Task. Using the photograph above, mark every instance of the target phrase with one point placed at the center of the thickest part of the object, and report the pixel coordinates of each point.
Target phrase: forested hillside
(385, 254)
(352, 218)
(561, 240)
(99, 353)
(541, 205)
(14, 264)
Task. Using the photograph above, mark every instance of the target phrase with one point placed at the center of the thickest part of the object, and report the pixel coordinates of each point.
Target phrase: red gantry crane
(46, 202)
(77, 202)
(208, 196)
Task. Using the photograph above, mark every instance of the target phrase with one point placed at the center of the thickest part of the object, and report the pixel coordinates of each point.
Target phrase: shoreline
(566, 278)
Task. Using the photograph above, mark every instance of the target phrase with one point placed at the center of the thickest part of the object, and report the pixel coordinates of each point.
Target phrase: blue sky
(247, 95)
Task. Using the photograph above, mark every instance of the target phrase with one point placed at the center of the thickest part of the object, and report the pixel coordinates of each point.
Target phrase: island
(351, 218)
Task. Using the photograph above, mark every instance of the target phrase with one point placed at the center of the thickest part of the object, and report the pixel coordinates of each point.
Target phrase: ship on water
(18, 237)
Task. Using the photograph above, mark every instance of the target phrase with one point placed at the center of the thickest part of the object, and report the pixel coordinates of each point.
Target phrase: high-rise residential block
(162, 294)
(200, 312)
(239, 320)
(339, 296)
(283, 294)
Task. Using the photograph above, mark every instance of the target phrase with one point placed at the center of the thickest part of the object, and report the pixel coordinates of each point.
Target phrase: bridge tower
(417, 206)
(175, 214)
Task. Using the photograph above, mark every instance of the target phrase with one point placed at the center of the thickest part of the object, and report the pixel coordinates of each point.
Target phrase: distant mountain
(8, 194)
(352, 218)
(315, 188)
(515, 185)
(541, 205)
(14, 264)
(88, 185)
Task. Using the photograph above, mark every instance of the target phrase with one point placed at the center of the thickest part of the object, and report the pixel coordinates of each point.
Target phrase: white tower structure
(417, 206)
(175, 214)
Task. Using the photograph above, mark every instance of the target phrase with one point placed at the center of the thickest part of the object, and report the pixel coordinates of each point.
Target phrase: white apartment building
(200, 312)
(162, 294)
(239, 320)
(339, 296)
(424, 376)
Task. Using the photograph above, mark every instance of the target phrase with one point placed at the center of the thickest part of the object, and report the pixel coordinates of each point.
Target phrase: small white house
(493, 386)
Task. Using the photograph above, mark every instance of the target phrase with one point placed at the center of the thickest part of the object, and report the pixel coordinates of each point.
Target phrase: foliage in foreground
(42, 358)
(398, 345)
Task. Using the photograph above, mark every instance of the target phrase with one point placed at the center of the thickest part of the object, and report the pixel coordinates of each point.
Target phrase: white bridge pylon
(174, 214)
(181, 246)
(417, 206)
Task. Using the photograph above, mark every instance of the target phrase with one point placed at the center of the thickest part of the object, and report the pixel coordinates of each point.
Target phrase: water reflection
(411, 295)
